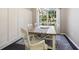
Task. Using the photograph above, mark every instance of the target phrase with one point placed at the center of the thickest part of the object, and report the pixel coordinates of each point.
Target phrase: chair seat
(38, 47)
(35, 41)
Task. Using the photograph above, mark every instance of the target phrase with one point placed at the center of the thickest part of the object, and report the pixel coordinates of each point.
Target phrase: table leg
(54, 39)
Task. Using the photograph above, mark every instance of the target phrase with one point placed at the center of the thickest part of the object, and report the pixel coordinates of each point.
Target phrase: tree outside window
(47, 16)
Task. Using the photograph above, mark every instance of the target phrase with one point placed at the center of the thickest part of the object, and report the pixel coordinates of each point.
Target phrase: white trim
(7, 43)
(58, 20)
(71, 40)
(37, 17)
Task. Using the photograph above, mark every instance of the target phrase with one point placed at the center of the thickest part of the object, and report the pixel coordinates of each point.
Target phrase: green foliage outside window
(51, 14)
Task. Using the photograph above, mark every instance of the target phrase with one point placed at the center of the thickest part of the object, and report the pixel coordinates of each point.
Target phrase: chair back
(30, 26)
(26, 37)
(36, 24)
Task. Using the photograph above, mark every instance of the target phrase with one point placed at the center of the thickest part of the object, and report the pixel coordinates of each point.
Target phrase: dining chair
(33, 44)
(36, 24)
(30, 26)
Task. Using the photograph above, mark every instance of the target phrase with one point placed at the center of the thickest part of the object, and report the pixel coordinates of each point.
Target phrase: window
(47, 16)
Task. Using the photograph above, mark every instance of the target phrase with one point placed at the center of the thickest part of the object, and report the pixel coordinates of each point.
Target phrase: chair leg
(44, 46)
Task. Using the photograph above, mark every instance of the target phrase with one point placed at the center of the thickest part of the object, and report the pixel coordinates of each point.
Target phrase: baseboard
(8, 43)
(72, 43)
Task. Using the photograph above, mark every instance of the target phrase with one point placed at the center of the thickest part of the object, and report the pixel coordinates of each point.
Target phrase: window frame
(57, 19)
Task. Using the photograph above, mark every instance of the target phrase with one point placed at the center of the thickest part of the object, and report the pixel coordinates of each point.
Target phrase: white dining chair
(36, 24)
(30, 26)
(33, 44)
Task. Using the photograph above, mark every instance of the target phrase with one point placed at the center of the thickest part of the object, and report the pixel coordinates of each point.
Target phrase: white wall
(63, 18)
(11, 21)
(33, 15)
(24, 18)
(3, 26)
(70, 23)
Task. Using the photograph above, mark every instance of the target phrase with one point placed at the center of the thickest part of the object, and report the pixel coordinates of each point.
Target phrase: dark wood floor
(62, 44)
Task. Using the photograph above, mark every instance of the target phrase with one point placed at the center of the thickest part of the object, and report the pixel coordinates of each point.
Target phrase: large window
(47, 16)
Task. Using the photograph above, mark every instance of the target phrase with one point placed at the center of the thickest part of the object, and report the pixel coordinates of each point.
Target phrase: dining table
(48, 30)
